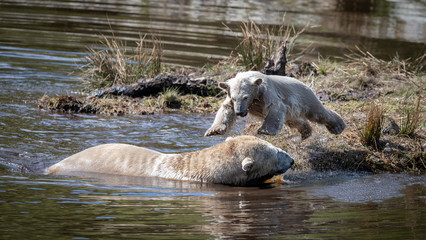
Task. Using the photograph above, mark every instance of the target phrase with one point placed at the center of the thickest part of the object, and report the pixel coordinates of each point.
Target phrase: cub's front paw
(215, 131)
(265, 131)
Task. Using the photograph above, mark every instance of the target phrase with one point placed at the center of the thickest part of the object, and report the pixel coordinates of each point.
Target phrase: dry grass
(396, 65)
(115, 64)
(411, 122)
(370, 134)
(260, 41)
(361, 76)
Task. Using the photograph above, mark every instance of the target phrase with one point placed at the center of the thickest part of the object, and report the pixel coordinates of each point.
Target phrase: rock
(301, 70)
(388, 148)
(391, 128)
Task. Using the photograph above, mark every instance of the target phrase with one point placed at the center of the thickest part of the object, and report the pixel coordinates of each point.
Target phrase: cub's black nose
(241, 114)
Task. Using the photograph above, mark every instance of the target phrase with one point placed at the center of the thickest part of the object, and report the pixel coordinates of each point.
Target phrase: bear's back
(108, 158)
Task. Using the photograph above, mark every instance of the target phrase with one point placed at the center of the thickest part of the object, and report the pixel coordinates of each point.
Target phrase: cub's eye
(245, 97)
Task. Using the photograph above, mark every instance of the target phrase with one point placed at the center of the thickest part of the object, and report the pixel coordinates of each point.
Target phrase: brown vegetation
(370, 133)
(113, 65)
(168, 101)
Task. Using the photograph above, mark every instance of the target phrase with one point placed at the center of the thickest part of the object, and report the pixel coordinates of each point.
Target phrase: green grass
(170, 98)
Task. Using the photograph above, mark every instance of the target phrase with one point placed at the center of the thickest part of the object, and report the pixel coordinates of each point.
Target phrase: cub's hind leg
(330, 119)
(302, 126)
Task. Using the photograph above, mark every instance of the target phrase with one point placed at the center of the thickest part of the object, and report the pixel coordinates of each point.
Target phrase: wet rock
(301, 70)
(391, 128)
(388, 148)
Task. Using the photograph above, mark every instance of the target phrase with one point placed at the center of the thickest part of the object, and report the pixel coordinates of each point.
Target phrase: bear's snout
(284, 161)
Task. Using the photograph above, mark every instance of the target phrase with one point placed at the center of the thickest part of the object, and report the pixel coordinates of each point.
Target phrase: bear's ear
(258, 81)
(247, 164)
(224, 86)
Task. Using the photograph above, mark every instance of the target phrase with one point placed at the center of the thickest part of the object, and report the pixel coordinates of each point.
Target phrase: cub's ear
(258, 81)
(247, 164)
(224, 86)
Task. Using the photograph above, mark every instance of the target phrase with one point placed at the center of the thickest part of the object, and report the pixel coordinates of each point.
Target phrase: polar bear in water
(276, 100)
(243, 160)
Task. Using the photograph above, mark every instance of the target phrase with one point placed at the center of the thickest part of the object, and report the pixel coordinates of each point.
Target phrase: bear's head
(242, 89)
(248, 160)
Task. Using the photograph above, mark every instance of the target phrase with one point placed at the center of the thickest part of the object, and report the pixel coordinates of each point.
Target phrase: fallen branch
(276, 65)
(203, 86)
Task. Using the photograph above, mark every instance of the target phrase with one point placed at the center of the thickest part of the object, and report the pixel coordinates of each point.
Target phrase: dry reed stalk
(259, 42)
(370, 134)
(112, 64)
(412, 120)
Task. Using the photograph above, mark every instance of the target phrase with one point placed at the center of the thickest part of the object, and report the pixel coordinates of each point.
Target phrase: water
(41, 46)
(118, 207)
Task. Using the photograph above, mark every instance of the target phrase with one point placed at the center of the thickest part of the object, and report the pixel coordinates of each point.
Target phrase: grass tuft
(112, 64)
(411, 122)
(170, 98)
(259, 42)
(370, 134)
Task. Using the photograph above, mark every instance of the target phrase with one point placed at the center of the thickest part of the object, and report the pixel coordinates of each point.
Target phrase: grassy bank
(382, 103)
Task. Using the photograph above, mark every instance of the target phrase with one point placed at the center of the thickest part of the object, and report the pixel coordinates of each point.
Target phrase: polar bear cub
(243, 160)
(275, 100)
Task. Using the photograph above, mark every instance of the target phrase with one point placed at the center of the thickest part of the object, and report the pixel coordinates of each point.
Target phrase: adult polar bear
(243, 160)
(276, 100)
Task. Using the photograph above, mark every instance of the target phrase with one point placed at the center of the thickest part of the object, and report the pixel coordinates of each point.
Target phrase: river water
(41, 46)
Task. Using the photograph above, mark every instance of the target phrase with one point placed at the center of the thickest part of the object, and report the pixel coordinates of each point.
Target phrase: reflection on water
(111, 207)
(373, 188)
(41, 46)
(194, 31)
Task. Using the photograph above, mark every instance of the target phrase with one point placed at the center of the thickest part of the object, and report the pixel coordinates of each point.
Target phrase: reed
(370, 134)
(114, 63)
(411, 122)
(260, 41)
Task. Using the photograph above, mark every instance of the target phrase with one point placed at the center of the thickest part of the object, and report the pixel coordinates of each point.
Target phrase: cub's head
(250, 161)
(242, 89)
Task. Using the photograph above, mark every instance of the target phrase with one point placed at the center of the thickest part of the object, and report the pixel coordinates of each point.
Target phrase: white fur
(238, 161)
(276, 100)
